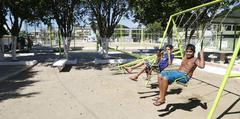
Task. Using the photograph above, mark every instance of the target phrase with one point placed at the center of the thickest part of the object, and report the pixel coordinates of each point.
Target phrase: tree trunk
(69, 39)
(13, 47)
(104, 47)
(65, 47)
(98, 42)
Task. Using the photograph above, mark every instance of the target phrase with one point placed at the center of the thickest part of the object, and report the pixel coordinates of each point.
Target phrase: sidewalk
(9, 69)
(214, 68)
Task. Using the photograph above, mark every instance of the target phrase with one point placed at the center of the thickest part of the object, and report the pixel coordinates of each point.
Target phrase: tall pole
(224, 81)
(121, 36)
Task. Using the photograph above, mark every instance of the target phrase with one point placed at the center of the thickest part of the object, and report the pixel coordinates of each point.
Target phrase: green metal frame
(229, 69)
(178, 39)
(131, 54)
(167, 27)
(50, 35)
(59, 43)
(139, 60)
(225, 79)
(182, 12)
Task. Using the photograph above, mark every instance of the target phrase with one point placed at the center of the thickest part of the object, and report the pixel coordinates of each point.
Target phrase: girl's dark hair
(159, 52)
(170, 46)
(191, 47)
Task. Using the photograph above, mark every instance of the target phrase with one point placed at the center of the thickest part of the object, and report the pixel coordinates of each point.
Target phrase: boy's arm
(201, 62)
(169, 59)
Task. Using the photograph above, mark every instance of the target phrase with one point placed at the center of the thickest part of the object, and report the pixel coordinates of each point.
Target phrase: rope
(178, 24)
(194, 13)
(201, 40)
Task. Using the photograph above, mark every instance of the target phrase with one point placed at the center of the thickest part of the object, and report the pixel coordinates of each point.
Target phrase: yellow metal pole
(203, 5)
(234, 75)
(165, 32)
(121, 37)
(178, 40)
(226, 76)
(142, 35)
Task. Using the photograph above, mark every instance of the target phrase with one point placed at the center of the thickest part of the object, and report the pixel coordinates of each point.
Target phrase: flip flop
(156, 98)
(158, 103)
(134, 79)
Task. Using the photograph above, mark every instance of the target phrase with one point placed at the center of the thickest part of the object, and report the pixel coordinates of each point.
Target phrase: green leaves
(107, 14)
(150, 11)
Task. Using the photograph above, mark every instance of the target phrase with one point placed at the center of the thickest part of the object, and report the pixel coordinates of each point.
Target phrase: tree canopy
(2, 19)
(107, 14)
(150, 11)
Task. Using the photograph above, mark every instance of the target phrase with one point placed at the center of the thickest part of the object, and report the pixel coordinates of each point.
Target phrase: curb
(18, 72)
(26, 63)
(111, 61)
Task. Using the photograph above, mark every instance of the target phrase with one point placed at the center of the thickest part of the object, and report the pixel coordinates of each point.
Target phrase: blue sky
(128, 22)
(124, 21)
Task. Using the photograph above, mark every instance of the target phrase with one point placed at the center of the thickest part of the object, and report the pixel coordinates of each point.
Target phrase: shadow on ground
(215, 86)
(227, 111)
(67, 68)
(156, 93)
(84, 66)
(188, 106)
(10, 89)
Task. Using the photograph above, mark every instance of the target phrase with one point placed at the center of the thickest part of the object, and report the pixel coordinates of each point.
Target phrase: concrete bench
(212, 57)
(60, 64)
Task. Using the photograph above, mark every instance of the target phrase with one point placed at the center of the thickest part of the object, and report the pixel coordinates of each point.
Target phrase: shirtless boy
(183, 73)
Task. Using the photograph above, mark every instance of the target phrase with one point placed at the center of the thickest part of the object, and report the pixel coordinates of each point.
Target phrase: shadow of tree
(9, 89)
(170, 92)
(227, 111)
(154, 85)
(118, 73)
(191, 104)
(46, 55)
(90, 66)
(67, 68)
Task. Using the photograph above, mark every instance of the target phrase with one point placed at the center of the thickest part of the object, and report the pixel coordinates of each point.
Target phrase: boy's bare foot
(129, 70)
(134, 78)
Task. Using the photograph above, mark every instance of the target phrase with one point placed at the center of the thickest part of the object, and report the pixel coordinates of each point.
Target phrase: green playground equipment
(51, 34)
(125, 52)
(59, 42)
(172, 21)
(227, 75)
(149, 58)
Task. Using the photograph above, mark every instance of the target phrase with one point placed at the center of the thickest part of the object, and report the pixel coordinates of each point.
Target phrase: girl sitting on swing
(182, 74)
(162, 61)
